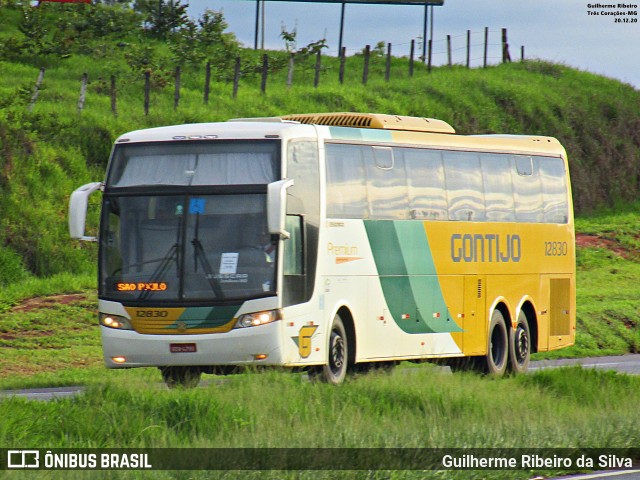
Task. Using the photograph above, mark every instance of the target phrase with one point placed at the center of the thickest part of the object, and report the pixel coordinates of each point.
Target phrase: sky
(561, 31)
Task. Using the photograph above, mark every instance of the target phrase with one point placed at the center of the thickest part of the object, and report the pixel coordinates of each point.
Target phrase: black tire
(335, 370)
(520, 345)
(185, 377)
(498, 348)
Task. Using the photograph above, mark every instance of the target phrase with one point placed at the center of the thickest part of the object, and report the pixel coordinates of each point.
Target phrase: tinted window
(527, 190)
(498, 188)
(425, 184)
(386, 183)
(194, 163)
(465, 191)
(346, 182)
(413, 183)
(554, 190)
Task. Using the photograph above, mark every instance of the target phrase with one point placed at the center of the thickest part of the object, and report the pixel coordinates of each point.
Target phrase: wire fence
(472, 49)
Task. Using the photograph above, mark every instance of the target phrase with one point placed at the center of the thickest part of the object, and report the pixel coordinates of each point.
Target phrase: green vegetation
(608, 264)
(410, 407)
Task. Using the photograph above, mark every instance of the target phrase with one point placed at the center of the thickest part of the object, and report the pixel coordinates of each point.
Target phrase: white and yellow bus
(328, 241)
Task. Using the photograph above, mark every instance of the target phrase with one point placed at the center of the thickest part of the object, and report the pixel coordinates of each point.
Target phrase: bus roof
(373, 120)
(210, 131)
(345, 126)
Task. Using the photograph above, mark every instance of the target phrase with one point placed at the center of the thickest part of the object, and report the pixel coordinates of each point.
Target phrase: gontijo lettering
(490, 247)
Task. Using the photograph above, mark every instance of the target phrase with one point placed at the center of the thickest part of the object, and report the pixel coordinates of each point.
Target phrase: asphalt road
(629, 364)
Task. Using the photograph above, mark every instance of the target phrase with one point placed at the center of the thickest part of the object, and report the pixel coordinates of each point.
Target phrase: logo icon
(23, 459)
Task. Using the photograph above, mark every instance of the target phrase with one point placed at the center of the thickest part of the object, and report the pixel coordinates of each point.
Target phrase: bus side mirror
(78, 210)
(276, 200)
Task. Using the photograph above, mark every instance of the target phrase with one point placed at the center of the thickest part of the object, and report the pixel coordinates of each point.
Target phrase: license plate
(182, 348)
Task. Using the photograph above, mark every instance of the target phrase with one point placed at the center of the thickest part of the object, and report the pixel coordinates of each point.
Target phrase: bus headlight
(115, 321)
(258, 318)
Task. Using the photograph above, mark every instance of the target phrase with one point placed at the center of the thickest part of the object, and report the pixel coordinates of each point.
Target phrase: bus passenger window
(464, 186)
(527, 190)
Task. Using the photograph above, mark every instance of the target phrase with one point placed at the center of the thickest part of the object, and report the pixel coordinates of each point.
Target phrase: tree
(163, 17)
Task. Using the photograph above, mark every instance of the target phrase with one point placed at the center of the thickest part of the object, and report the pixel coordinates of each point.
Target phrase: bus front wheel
(335, 370)
(186, 377)
(498, 348)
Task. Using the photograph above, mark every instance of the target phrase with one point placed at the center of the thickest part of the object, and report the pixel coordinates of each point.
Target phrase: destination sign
(141, 287)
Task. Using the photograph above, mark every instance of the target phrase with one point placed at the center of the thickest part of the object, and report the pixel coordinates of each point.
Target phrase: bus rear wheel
(520, 345)
(335, 370)
(186, 377)
(498, 348)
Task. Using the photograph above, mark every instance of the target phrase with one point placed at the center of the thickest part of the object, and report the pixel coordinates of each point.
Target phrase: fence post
(468, 48)
(505, 47)
(365, 71)
(316, 78)
(486, 45)
(236, 77)
(83, 91)
(36, 90)
(207, 82)
(387, 72)
(176, 92)
(147, 91)
(411, 54)
(290, 71)
(449, 50)
(522, 53)
(430, 52)
(112, 91)
(343, 56)
(265, 72)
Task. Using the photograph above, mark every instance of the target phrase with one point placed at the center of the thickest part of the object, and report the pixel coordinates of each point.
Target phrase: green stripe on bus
(206, 317)
(408, 277)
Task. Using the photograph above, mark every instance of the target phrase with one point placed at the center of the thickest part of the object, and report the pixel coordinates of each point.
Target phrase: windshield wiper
(200, 255)
(162, 269)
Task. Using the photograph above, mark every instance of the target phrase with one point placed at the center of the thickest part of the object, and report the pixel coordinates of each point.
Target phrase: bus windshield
(186, 222)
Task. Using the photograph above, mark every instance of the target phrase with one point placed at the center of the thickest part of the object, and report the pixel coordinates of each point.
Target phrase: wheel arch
(501, 304)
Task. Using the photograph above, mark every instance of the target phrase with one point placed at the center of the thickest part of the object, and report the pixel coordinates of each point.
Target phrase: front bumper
(237, 347)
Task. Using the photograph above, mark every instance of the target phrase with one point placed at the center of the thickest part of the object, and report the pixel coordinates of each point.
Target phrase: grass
(228, 415)
(408, 408)
(18, 291)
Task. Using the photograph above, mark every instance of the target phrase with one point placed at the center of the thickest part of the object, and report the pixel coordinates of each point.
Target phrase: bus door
(561, 323)
(475, 318)
(465, 297)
